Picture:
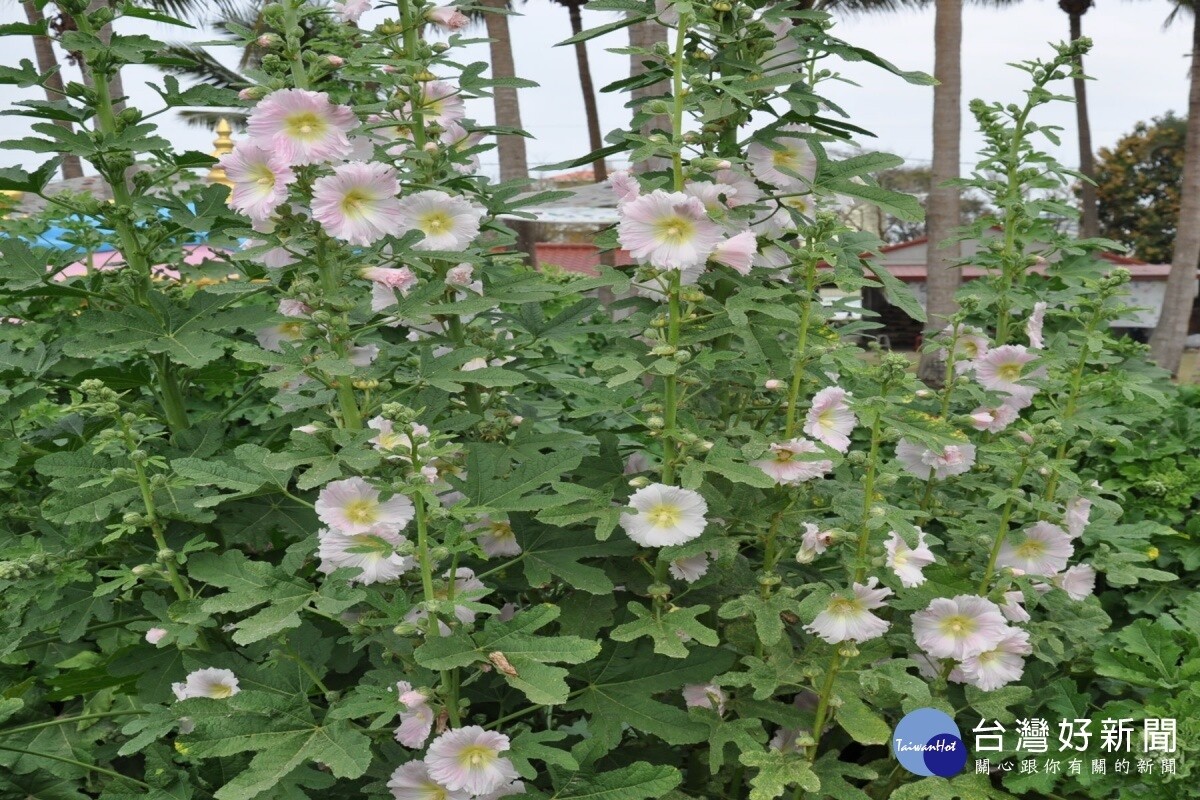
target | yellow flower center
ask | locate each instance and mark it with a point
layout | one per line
(1031, 548)
(476, 755)
(1009, 372)
(353, 201)
(362, 512)
(664, 515)
(842, 606)
(501, 530)
(787, 158)
(675, 229)
(958, 625)
(970, 349)
(291, 330)
(988, 657)
(304, 125)
(220, 691)
(436, 222)
(901, 557)
(263, 175)
(825, 418)
(784, 456)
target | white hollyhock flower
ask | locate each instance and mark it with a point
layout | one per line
(970, 345)
(496, 537)
(214, 683)
(1033, 325)
(1000, 665)
(691, 568)
(908, 563)
(416, 720)
(1013, 607)
(469, 759)
(1078, 582)
(352, 506)
(959, 627)
(155, 635)
(788, 164)
(666, 516)
(704, 695)
(411, 781)
(830, 419)
(448, 222)
(669, 230)
(1078, 511)
(466, 587)
(787, 469)
(919, 460)
(849, 618)
(1045, 550)
(373, 553)
(1001, 369)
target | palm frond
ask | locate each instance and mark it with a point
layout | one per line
(204, 68)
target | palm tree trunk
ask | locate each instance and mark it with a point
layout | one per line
(645, 35)
(47, 61)
(1166, 344)
(943, 274)
(510, 147)
(599, 169)
(1090, 217)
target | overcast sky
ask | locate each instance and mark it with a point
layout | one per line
(1140, 70)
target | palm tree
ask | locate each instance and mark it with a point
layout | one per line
(1167, 341)
(943, 274)
(47, 61)
(645, 35)
(1090, 219)
(599, 169)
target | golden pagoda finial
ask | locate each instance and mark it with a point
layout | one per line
(222, 145)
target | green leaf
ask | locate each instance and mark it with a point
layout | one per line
(667, 629)
(967, 786)
(548, 553)
(638, 781)
(528, 746)
(777, 771)
(494, 483)
(860, 720)
(766, 611)
(250, 584)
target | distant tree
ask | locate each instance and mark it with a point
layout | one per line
(917, 182)
(1138, 183)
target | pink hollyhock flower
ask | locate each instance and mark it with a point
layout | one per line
(217, 684)
(1033, 325)
(289, 307)
(737, 252)
(1044, 551)
(1000, 665)
(743, 191)
(787, 469)
(352, 506)
(691, 568)
(710, 194)
(971, 345)
(448, 18)
(788, 164)
(664, 516)
(392, 441)
(830, 419)
(496, 537)
(507, 790)
(906, 562)
(462, 275)
(919, 460)
(386, 281)
(449, 223)
(411, 781)
(373, 553)
(1000, 368)
(466, 587)
(1078, 582)
(357, 203)
(301, 127)
(850, 618)
(459, 140)
(272, 338)
(1013, 607)
(959, 627)
(350, 10)
(260, 180)
(155, 635)
(468, 759)
(624, 186)
(668, 229)
(996, 418)
(815, 540)
(704, 695)
(1078, 511)
(416, 720)
(439, 102)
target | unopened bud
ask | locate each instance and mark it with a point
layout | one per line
(639, 482)
(335, 61)
(773, 384)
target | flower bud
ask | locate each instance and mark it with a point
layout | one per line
(656, 423)
(639, 482)
(133, 518)
(267, 40)
(773, 384)
(166, 554)
(251, 94)
(335, 61)
(142, 570)
(516, 420)
(139, 456)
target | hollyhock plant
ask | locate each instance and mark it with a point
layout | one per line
(921, 461)
(691, 568)
(830, 419)
(448, 222)
(351, 10)
(468, 759)
(664, 516)
(439, 102)
(789, 464)
(1000, 665)
(357, 203)
(448, 18)
(372, 553)
(848, 617)
(907, 562)
(214, 683)
(788, 164)
(815, 540)
(301, 127)
(1043, 550)
(959, 627)
(1078, 581)
(704, 695)
(496, 538)
(667, 230)
(385, 282)
(352, 506)
(737, 252)
(1001, 369)
(1076, 516)
(970, 345)
(260, 180)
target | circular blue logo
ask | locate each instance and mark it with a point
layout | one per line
(927, 742)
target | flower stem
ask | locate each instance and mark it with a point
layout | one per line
(182, 590)
(67, 720)
(81, 764)
(1002, 530)
(810, 280)
(864, 537)
(351, 416)
(449, 677)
